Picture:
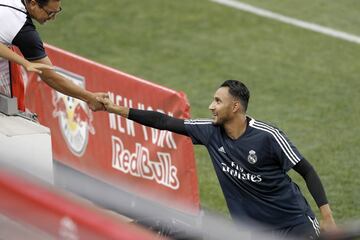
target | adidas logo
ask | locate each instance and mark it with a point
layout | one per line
(221, 149)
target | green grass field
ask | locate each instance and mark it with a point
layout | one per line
(304, 82)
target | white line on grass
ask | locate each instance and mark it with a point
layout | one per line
(299, 23)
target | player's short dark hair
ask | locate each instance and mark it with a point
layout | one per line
(239, 91)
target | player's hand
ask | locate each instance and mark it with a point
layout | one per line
(37, 67)
(328, 225)
(96, 105)
(329, 230)
(107, 103)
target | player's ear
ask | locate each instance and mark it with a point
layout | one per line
(236, 106)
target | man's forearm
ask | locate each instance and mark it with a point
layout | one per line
(5, 52)
(63, 85)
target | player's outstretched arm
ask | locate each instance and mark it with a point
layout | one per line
(6, 53)
(148, 118)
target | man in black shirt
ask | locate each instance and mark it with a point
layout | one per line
(17, 29)
(251, 160)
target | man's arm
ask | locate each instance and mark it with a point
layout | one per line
(306, 170)
(148, 118)
(67, 87)
(6, 53)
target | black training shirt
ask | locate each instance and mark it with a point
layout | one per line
(252, 171)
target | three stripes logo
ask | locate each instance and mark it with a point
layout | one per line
(280, 139)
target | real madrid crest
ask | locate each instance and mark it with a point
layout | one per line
(252, 158)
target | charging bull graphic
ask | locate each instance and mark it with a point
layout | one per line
(74, 117)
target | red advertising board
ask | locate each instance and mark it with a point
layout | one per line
(40, 209)
(157, 164)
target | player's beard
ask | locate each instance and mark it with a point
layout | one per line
(220, 119)
(222, 114)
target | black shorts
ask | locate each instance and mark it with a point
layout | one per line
(308, 229)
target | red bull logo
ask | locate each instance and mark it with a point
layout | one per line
(74, 117)
(139, 164)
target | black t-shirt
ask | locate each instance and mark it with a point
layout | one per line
(252, 171)
(18, 29)
(29, 41)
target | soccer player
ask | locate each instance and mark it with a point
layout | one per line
(17, 29)
(251, 159)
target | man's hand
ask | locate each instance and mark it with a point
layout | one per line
(113, 108)
(107, 103)
(36, 67)
(96, 105)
